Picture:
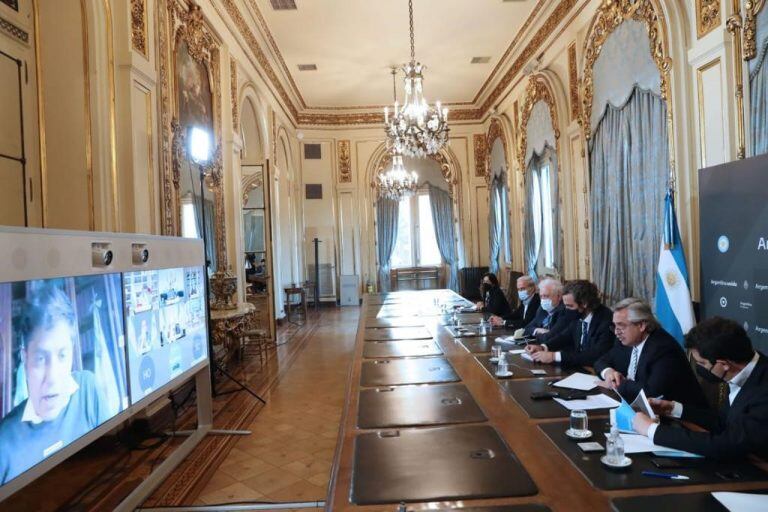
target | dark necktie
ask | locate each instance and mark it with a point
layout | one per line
(584, 332)
(547, 321)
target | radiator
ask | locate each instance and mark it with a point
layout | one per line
(327, 279)
(469, 282)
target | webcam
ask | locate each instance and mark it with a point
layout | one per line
(139, 254)
(101, 254)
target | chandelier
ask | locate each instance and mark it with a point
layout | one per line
(397, 182)
(416, 129)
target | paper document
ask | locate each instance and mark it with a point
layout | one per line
(742, 502)
(635, 443)
(641, 404)
(517, 351)
(526, 356)
(591, 402)
(580, 381)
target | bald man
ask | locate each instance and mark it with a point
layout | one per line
(526, 311)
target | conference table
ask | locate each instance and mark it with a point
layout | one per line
(428, 426)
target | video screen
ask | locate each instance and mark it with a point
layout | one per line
(62, 365)
(165, 326)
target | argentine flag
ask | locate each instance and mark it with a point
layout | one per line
(673, 297)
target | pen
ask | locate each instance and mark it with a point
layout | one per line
(671, 476)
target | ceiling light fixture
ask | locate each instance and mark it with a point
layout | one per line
(416, 129)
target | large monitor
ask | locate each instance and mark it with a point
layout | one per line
(165, 326)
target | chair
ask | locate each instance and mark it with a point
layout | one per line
(300, 292)
(255, 341)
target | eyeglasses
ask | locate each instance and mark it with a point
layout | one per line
(621, 327)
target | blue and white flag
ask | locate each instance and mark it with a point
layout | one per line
(674, 308)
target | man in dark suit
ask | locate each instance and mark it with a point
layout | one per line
(723, 353)
(646, 358)
(587, 339)
(553, 317)
(526, 311)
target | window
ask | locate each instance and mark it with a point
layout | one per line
(416, 244)
(502, 219)
(543, 223)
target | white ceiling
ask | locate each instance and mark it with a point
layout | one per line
(355, 42)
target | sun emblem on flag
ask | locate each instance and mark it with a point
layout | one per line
(671, 278)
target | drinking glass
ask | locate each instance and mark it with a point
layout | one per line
(496, 352)
(503, 368)
(579, 423)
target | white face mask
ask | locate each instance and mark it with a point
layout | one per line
(546, 305)
(523, 294)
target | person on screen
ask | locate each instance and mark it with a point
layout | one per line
(724, 354)
(62, 404)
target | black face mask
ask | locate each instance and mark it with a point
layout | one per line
(485, 288)
(708, 376)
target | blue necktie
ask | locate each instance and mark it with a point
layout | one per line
(584, 332)
(547, 321)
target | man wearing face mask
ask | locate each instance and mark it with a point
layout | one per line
(526, 311)
(723, 353)
(494, 301)
(587, 339)
(553, 317)
(647, 357)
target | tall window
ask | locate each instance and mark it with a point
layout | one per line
(502, 219)
(541, 209)
(416, 245)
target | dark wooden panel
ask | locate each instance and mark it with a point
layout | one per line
(545, 408)
(397, 333)
(401, 348)
(412, 321)
(696, 502)
(417, 405)
(447, 463)
(395, 372)
(521, 368)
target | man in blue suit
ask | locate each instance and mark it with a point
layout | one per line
(552, 318)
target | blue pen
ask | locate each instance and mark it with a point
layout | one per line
(670, 476)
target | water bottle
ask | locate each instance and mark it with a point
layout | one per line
(614, 448)
(503, 368)
(482, 327)
(455, 318)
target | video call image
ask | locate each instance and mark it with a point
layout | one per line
(63, 365)
(165, 326)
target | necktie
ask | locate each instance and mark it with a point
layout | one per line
(546, 322)
(633, 364)
(584, 332)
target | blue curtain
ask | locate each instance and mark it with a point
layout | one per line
(442, 217)
(531, 242)
(386, 230)
(629, 162)
(758, 89)
(494, 227)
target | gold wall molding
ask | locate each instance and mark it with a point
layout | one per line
(14, 31)
(573, 81)
(443, 160)
(139, 26)
(707, 16)
(700, 103)
(609, 16)
(233, 94)
(478, 142)
(538, 89)
(751, 9)
(495, 131)
(345, 161)
(734, 27)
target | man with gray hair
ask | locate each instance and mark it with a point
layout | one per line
(646, 357)
(553, 317)
(526, 310)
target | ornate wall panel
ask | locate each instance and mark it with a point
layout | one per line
(345, 161)
(233, 94)
(537, 90)
(707, 16)
(573, 81)
(478, 142)
(751, 9)
(139, 26)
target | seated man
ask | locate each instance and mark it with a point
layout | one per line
(494, 302)
(646, 358)
(587, 339)
(723, 353)
(552, 318)
(526, 311)
(63, 404)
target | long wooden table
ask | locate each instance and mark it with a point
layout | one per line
(561, 486)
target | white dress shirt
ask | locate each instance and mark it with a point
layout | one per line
(735, 385)
(639, 353)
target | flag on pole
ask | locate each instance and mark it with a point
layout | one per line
(674, 308)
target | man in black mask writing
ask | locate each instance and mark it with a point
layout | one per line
(723, 353)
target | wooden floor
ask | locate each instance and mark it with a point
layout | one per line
(289, 453)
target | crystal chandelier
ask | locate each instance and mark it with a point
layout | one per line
(416, 129)
(397, 182)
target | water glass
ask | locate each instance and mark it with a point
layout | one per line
(579, 424)
(482, 329)
(503, 368)
(496, 352)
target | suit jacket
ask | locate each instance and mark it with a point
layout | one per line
(495, 302)
(560, 321)
(736, 430)
(521, 317)
(599, 340)
(663, 369)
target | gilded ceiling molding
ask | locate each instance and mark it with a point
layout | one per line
(139, 26)
(707, 16)
(481, 150)
(345, 161)
(610, 15)
(14, 31)
(233, 94)
(495, 131)
(573, 81)
(751, 8)
(538, 89)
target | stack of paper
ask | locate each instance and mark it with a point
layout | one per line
(742, 502)
(590, 403)
(635, 443)
(626, 412)
(527, 356)
(580, 381)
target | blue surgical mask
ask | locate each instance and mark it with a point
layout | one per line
(546, 305)
(523, 294)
